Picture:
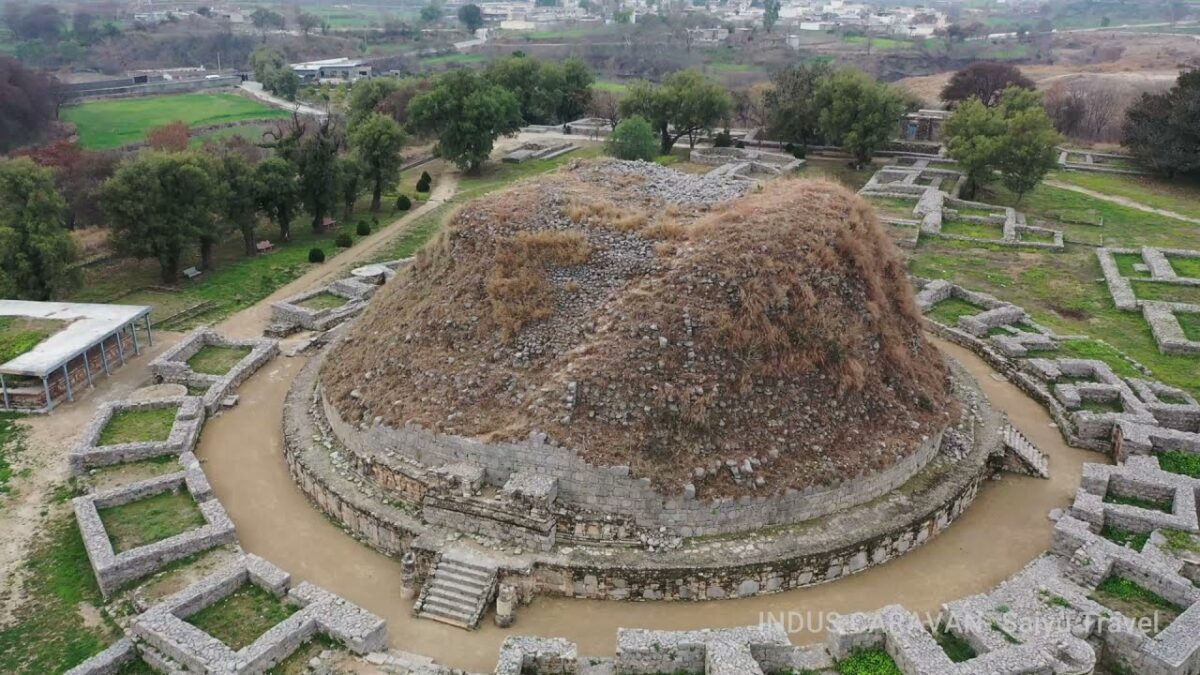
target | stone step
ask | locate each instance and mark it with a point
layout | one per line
(457, 592)
(467, 565)
(1026, 452)
(459, 609)
(435, 615)
(452, 588)
(462, 579)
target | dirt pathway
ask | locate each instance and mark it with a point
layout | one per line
(251, 321)
(43, 465)
(1123, 201)
(1005, 529)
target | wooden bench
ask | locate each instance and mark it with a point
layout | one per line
(264, 246)
(191, 273)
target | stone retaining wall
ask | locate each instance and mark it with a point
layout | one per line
(612, 489)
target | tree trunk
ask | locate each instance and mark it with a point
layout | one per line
(285, 229)
(377, 194)
(248, 239)
(348, 210)
(206, 254)
(666, 140)
(169, 269)
(318, 218)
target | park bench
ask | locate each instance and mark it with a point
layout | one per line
(264, 246)
(191, 273)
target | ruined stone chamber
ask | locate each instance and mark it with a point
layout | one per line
(627, 382)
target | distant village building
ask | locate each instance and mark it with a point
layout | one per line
(332, 69)
(708, 36)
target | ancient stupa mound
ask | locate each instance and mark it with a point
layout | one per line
(649, 318)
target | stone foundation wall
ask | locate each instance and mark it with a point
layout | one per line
(612, 489)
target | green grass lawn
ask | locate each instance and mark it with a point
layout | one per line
(135, 426)
(893, 207)
(323, 301)
(969, 228)
(1136, 602)
(610, 85)
(111, 124)
(1179, 195)
(1185, 267)
(19, 335)
(1134, 540)
(12, 443)
(240, 618)
(48, 633)
(251, 132)
(1186, 463)
(217, 360)
(949, 311)
(151, 519)
(1137, 502)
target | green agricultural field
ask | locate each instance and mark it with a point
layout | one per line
(610, 85)
(111, 124)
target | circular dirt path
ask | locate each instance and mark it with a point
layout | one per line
(1004, 529)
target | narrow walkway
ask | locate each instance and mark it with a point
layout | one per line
(1123, 201)
(1005, 529)
(255, 90)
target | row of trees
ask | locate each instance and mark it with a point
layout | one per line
(1163, 130)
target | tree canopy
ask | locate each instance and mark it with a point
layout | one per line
(686, 104)
(28, 102)
(467, 113)
(157, 204)
(547, 92)
(471, 17)
(984, 80)
(1015, 138)
(857, 112)
(36, 251)
(790, 103)
(377, 142)
(632, 139)
(1163, 130)
(278, 192)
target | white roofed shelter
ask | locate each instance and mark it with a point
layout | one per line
(94, 340)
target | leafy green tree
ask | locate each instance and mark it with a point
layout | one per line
(857, 112)
(350, 183)
(575, 90)
(367, 97)
(467, 113)
(632, 139)
(984, 80)
(308, 22)
(790, 104)
(686, 104)
(316, 164)
(431, 13)
(36, 251)
(378, 141)
(239, 196)
(278, 193)
(283, 82)
(157, 204)
(1016, 138)
(972, 136)
(771, 13)
(471, 17)
(546, 91)
(1163, 130)
(264, 19)
(265, 60)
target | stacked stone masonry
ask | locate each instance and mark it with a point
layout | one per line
(1162, 316)
(88, 453)
(172, 365)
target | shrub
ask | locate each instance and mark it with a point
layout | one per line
(403, 203)
(363, 229)
(723, 139)
(316, 255)
(632, 139)
(343, 240)
(424, 182)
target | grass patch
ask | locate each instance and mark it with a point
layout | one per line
(12, 443)
(137, 426)
(893, 207)
(49, 633)
(1175, 461)
(1037, 237)
(1180, 541)
(240, 618)
(948, 311)
(323, 301)
(1181, 195)
(611, 86)
(838, 171)
(1135, 540)
(868, 662)
(1149, 504)
(19, 335)
(956, 648)
(1099, 351)
(151, 519)
(968, 228)
(1136, 602)
(1125, 263)
(1153, 290)
(1185, 267)
(217, 360)
(111, 124)
(1097, 406)
(297, 663)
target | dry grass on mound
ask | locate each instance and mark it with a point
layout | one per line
(779, 328)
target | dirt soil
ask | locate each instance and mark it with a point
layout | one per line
(776, 332)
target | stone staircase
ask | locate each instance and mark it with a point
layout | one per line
(1023, 456)
(458, 591)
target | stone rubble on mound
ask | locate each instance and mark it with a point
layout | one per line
(661, 182)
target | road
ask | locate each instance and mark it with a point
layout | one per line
(255, 89)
